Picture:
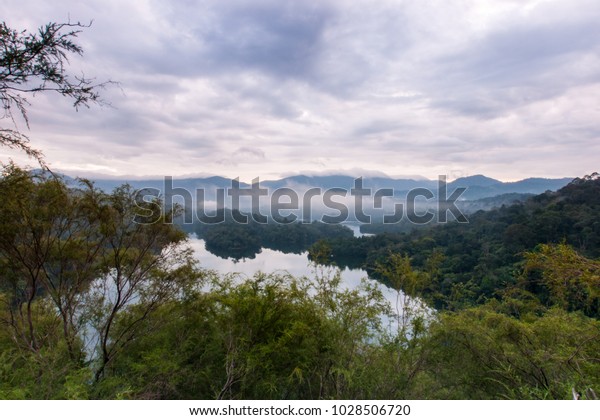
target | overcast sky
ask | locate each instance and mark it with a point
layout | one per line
(510, 89)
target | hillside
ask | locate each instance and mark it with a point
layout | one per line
(485, 256)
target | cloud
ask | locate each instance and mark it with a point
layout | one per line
(250, 152)
(279, 38)
(267, 87)
(530, 58)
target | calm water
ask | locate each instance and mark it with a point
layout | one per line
(269, 261)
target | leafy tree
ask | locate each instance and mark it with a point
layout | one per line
(49, 242)
(558, 275)
(269, 336)
(50, 372)
(408, 284)
(144, 262)
(72, 261)
(483, 352)
(37, 62)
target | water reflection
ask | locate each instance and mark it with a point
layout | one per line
(270, 261)
(267, 261)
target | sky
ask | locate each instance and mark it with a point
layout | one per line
(271, 88)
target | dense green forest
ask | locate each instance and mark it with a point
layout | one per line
(467, 207)
(101, 298)
(231, 239)
(473, 262)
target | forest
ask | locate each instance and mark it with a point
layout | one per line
(481, 259)
(98, 304)
(232, 239)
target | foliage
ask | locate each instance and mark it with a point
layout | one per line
(100, 298)
(73, 260)
(408, 284)
(560, 276)
(36, 62)
(48, 373)
(484, 257)
(268, 337)
(482, 353)
(232, 239)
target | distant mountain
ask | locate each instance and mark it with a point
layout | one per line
(497, 201)
(475, 181)
(348, 182)
(303, 181)
(535, 185)
(209, 184)
(480, 186)
(477, 186)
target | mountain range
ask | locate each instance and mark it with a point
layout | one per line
(477, 186)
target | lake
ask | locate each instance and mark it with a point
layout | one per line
(269, 261)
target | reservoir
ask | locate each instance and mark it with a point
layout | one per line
(270, 261)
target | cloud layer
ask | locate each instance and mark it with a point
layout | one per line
(271, 87)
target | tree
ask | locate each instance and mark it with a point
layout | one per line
(49, 241)
(483, 352)
(145, 262)
(408, 284)
(72, 263)
(271, 336)
(560, 276)
(36, 62)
